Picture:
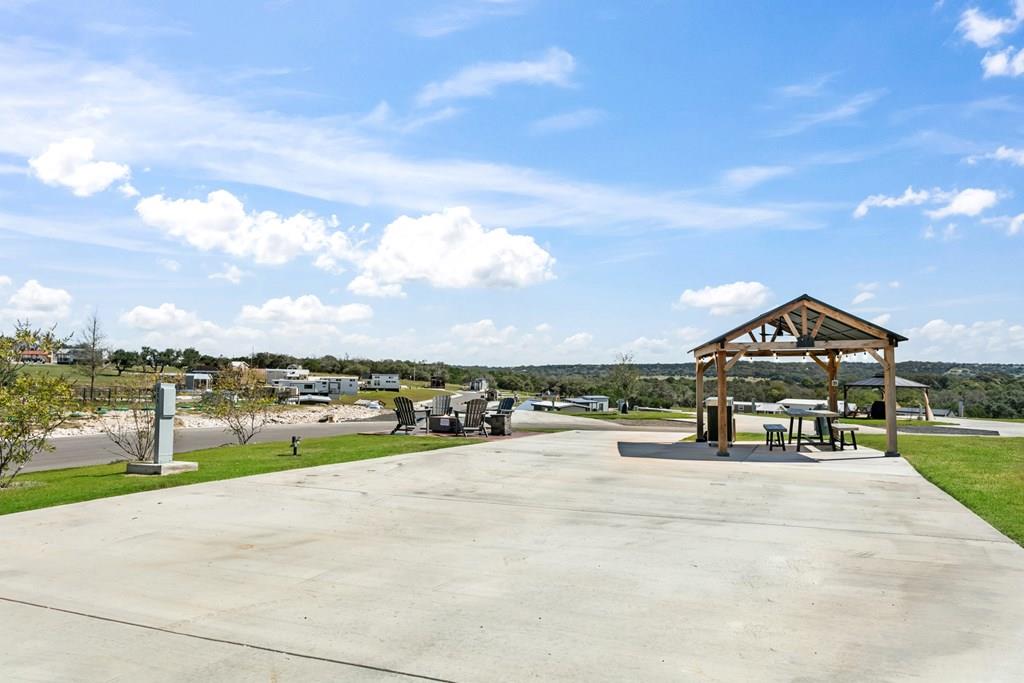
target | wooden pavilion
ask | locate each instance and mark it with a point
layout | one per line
(805, 327)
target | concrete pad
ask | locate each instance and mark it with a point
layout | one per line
(553, 557)
(161, 469)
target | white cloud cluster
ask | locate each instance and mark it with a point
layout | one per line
(71, 163)
(985, 31)
(981, 341)
(1006, 62)
(450, 250)
(481, 80)
(571, 120)
(168, 317)
(845, 110)
(576, 343)
(36, 302)
(484, 333)
(1002, 153)
(970, 202)
(909, 196)
(231, 273)
(726, 299)
(305, 309)
(221, 222)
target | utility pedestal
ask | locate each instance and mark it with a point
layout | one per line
(163, 438)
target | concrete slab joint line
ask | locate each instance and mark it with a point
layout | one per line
(224, 641)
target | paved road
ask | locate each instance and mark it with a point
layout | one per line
(586, 556)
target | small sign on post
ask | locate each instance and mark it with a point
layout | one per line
(163, 437)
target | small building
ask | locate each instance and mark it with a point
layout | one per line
(384, 381)
(592, 404)
(437, 382)
(479, 384)
(69, 356)
(198, 381)
(238, 365)
(35, 356)
(319, 386)
(272, 374)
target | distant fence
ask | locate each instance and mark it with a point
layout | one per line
(115, 394)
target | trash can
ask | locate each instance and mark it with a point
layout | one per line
(499, 425)
(711, 406)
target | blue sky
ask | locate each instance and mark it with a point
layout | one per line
(509, 181)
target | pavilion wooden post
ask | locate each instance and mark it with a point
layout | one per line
(699, 397)
(889, 368)
(833, 371)
(723, 414)
(928, 414)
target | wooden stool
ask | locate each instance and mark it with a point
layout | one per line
(774, 435)
(843, 429)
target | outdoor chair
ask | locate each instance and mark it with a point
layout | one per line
(441, 405)
(505, 406)
(406, 414)
(773, 436)
(843, 430)
(472, 418)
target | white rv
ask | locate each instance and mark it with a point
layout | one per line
(320, 386)
(384, 382)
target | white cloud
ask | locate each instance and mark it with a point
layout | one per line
(168, 325)
(845, 110)
(127, 190)
(222, 223)
(483, 333)
(747, 176)
(982, 341)
(5, 282)
(882, 319)
(231, 273)
(810, 88)
(543, 328)
(862, 297)
(573, 120)
(336, 159)
(1002, 153)
(305, 309)
(969, 202)
(458, 15)
(645, 347)
(986, 31)
(909, 196)
(726, 299)
(576, 342)
(170, 265)
(1003, 63)
(947, 234)
(70, 163)
(481, 80)
(35, 301)
(1016, 225)
(450, 250)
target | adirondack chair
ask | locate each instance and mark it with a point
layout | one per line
(406, 414)
(505, 406)
(441, 405)
(472, 418)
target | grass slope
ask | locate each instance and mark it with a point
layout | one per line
(58, 487)
(415, 394)
(985, 474)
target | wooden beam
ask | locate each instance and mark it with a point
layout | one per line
(881, 361)
(844, 345)
(699, 395)
(891, 448)
(817, 324)
(833, 372)
(732, 361)
(846, 319)
(820, 362)
(764, 332)
(790, 325)
(775, 334)
(723, 413)
(803, 320)
(753, 337)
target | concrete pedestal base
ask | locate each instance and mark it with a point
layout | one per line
(162, 468)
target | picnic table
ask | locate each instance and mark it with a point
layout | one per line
(823, 418)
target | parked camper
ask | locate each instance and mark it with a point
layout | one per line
(479, 384)
(320, 386)
(384, 382)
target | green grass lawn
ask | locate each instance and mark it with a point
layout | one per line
(985, 474)
(57, 487)
(415, 394)
(105, 377)
(636, 415)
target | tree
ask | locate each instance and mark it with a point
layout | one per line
(31, 406)
(158, 360)
(124, 360)
(242, 402)
(190, 358)
(132, 431)
(624, 376)
(91, 338)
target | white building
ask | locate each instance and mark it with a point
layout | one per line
(273, 374)
(479, 384)
(592, 403)
(320, 386)
(384, 381)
